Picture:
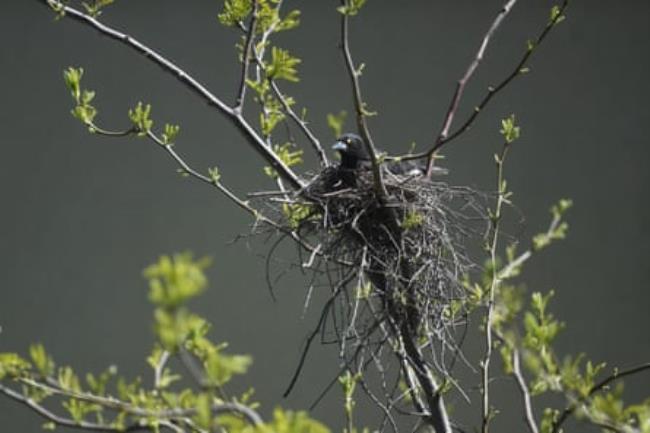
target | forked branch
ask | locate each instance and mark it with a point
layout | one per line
(460, 86)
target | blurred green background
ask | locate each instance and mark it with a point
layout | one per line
(82, 215)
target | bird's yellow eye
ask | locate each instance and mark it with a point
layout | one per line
(348, 141)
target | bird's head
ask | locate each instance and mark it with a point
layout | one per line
(352, 150)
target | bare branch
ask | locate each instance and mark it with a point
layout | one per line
(519, 69)
(190, 82)
(460, 86)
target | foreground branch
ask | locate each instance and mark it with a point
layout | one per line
(66, 422)
(617, 375)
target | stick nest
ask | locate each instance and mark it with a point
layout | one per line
(393, 263)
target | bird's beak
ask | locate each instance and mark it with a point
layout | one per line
(340, 146)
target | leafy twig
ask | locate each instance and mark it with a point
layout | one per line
(493, 241)
(66, 422)
(616, 375)
(239, 121)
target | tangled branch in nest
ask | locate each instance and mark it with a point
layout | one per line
(395, 268)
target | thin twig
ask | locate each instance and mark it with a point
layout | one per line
(493, 242)
(525, 392)
(359, 105)
(66, 422)
(301, 123)
(512, 268)
(517, 71)
(195, 86)
(192, 368)
(246, 59)
(160, 368)
(460, 86)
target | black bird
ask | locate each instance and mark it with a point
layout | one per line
(355, 156)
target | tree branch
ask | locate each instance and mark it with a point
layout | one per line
(359, 105)
(190, 82)
(519, 69)
(460, 86)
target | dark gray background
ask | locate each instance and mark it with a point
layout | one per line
(82, 215)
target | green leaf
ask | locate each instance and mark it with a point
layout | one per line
(413, 219)
(203, 415)
(94, 9)
(220, 368)
(72, 77)
(140, 118)
(351, 7)
(293, 422)
(42, 361)
(176, 279)
(83, 110)
(235, 11)
(49, 426)
(214, 174)
(282, 65)
(12, 365)
(98, 384)
(296, 213)
(288, 154)
(170, 133)
(509, 130)
(68, 380)
(336, 122)
(290, 21)
(556, 16)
